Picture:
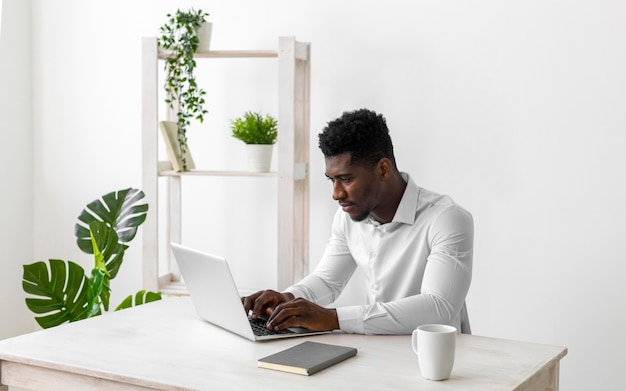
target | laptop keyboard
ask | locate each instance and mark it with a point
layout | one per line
(259, 329)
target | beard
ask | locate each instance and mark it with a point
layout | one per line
(360, 217)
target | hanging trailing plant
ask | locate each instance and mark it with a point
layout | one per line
(179, 36)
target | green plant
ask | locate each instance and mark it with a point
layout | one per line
(253, 128)
(180, 37)
(64, 293)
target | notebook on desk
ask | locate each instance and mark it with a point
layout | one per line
(216, 299)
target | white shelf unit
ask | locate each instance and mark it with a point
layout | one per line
(293, 159)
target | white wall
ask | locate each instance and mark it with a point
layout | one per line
(16, 160)
(513, 108)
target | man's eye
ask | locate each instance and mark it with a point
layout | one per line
(342, 179)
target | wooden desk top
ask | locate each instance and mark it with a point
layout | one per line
(166, 346)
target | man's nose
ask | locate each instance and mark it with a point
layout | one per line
(338, 192)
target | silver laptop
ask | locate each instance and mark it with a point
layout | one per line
(216, 299)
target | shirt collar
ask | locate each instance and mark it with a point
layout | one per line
(406, 209)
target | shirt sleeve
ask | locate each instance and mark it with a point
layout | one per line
(445, 284)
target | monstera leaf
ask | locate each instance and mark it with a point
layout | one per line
(118, 210)
(62, 291)
(141, 297)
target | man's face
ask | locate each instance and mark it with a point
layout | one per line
(355, 186)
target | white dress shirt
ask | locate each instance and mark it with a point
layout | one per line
(418, 267)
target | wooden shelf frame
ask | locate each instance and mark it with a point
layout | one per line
(293, 160)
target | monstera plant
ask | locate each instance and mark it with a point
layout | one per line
(61, 289)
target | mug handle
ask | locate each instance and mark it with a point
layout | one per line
(414, 341)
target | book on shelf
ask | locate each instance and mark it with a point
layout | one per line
(307, 358)
(169, 130)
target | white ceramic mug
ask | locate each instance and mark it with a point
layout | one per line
(434, 345)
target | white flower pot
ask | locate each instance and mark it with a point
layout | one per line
(259, 157)
(204, 37)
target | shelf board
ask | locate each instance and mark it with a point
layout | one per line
(174, 288)
(217, 173)
(163, 54)
(178, 288)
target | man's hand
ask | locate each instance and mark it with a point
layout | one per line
(284, 311)
(264, 302)
(302, 313)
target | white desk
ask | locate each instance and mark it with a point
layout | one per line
(165, 346)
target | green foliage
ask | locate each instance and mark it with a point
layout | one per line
(141, 297)
(63, 293)
(253, 128)
(180, 37)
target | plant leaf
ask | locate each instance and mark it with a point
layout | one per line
(118, 210)
(104, 241)
(60, 293)
(141, 297)
(94, 290)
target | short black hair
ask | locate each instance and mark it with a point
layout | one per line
(363, 133)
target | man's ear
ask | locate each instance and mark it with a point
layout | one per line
(384, 168)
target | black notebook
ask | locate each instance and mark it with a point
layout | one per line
(307, 358)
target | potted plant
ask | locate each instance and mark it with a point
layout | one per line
(179, 36)
(259, 133)
(61, 289)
